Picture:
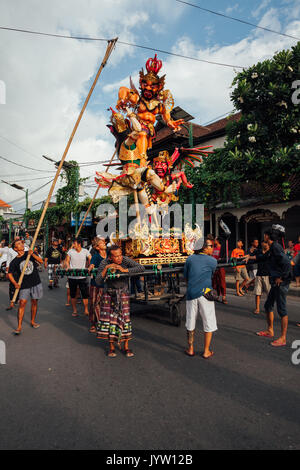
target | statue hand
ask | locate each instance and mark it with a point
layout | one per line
(176, 124)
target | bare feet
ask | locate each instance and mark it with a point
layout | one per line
(112, 353)
(208, 355)
(256, 312)
(128, 353)
(17, 331)
(74, 314)
(35, 325)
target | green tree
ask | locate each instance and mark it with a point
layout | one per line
(263, 146)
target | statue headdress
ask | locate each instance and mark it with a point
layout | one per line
(153, 66)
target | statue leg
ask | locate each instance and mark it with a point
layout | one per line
(142, 145)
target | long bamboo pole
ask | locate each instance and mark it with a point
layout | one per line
(94, 197)
(110, 47)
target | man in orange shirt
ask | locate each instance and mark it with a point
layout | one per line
(241, 273)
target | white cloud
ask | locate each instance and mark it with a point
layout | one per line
(47, 79)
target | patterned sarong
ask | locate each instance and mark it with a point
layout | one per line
(52, 276)
(115, 324)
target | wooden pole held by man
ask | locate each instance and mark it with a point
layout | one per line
(110, 47)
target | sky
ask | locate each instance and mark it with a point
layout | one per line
(47, 79)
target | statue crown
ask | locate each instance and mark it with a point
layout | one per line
(154, 65)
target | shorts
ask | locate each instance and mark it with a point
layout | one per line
(262, 284)
(252, 274)
(241, 274)
(36, 293)
(206, 308)
(83, 286)
(297, 270)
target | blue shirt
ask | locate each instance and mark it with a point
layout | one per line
(198, 271)
(96, 260)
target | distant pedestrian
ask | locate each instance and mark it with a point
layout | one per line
(219, 278)
(198, 272)
(52, 261)
(28, 240)
(297, 247)
(252, 270)
(296, 263)
(96, 291)
(31, 286)
(241, 274)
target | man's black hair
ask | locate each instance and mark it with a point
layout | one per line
(78, 240)
(113, 248)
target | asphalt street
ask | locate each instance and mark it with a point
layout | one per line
(59, 390)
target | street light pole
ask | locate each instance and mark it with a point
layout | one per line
(17, 186)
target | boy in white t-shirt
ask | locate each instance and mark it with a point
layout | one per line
(78, 258)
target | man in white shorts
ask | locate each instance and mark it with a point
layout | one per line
(198, 272)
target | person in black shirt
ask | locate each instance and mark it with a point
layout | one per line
(31, 285)
(279, 269)
(52, 261)
(262, 281)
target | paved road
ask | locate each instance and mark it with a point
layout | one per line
(58, 389)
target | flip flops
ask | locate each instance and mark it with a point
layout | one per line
(188, 354)
(264, 334)
(275, 344)
(208, 357)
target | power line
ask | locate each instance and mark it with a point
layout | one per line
(20, 148)
(23, 166)
(30, 194)
(236, 19)
(31, 179)
(216, 118)
(81, 38)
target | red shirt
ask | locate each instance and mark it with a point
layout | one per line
(217, 252)
(296, 249)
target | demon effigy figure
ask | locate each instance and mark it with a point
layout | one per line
(134, 133)
(148, 104)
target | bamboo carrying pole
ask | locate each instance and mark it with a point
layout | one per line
(110, 47)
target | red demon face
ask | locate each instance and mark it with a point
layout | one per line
(161, 169)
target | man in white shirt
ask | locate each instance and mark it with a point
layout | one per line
(78, 258)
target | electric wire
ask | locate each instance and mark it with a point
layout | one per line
(82, 38)
(236, 19)
(23, 166)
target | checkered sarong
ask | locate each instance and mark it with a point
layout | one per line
(115, 324)
(52, 273)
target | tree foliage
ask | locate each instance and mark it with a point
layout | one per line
(263, 145)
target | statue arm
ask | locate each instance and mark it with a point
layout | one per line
(127, 97)
(175, 125)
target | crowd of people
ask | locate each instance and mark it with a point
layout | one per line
(266, 266)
